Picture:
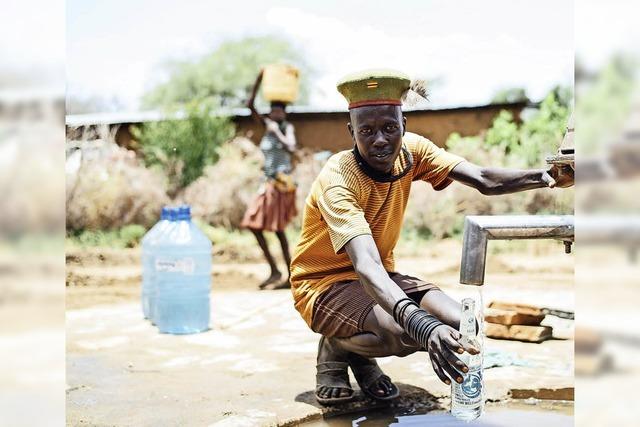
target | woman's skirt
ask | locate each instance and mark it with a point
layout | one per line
(271, 210)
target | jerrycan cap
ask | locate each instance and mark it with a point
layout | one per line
(164, 214)
(184, 213)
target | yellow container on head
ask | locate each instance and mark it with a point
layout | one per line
(280, 82)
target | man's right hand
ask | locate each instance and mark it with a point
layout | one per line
(442, 345)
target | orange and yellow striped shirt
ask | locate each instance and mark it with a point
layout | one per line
(344, 203)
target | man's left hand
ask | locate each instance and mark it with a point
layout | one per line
(443, 344)
(560, 176)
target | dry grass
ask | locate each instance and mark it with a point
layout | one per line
(220, 197)
(111, 189)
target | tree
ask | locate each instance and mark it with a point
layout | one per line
(225, 76)
(182, 148)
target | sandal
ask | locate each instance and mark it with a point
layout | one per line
(332, 375)
(368, 374)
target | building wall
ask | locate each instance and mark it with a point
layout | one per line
(328, 130)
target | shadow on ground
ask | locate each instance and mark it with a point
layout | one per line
(411, 398)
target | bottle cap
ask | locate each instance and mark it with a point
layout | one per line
(164, 214)
(173, 214)
(184, 212)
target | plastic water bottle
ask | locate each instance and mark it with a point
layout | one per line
(467, 398)
(148, 242)
(182, 268)
(162, 238)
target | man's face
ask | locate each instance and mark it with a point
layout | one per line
(377, 131)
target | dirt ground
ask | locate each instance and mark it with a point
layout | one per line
(106, 276)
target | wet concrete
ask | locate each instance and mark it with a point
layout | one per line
(492, 417)
(256, 366)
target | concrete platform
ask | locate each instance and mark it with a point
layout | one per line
(255, 367)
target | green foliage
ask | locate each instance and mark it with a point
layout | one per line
(128, 236)
(542, 133)
(526, 144)
(503, 133)
(225, 76)
(183, 148)
(506, 144)
(131, 234)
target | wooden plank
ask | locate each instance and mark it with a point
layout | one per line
(508, 317)
(520, 308)
(534, 334)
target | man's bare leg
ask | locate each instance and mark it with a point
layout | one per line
(332, 383)
(384, 337)
(383, 340)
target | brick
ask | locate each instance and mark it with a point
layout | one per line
(564, 393)
(587, 340)
(518, 332)
(520, 308)
(507, 317)
(592, 364)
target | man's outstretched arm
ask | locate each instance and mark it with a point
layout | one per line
(364, 255)
(363, 252)
(494, 181)
(442, 342)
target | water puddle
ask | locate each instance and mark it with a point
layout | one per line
(501, 416)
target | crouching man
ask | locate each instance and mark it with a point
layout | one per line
(343, 278)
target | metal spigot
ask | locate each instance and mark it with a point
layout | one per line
(478, 230)
(567, 246)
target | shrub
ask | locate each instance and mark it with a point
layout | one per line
(220, 196)
(111, 189)
(132, 234)
(183, 148)
(505, 144)
(128, 236)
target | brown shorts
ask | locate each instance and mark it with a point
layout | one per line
(341, 310)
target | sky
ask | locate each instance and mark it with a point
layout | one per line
(32, 45)
(466, 50)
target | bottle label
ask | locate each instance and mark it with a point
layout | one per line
(185, 265)
(469, 393)
(468, 326)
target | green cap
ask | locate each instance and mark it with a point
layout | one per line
(374, 87)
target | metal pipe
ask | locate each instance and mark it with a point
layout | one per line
(478, 230)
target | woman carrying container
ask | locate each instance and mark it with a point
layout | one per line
(274, 206)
